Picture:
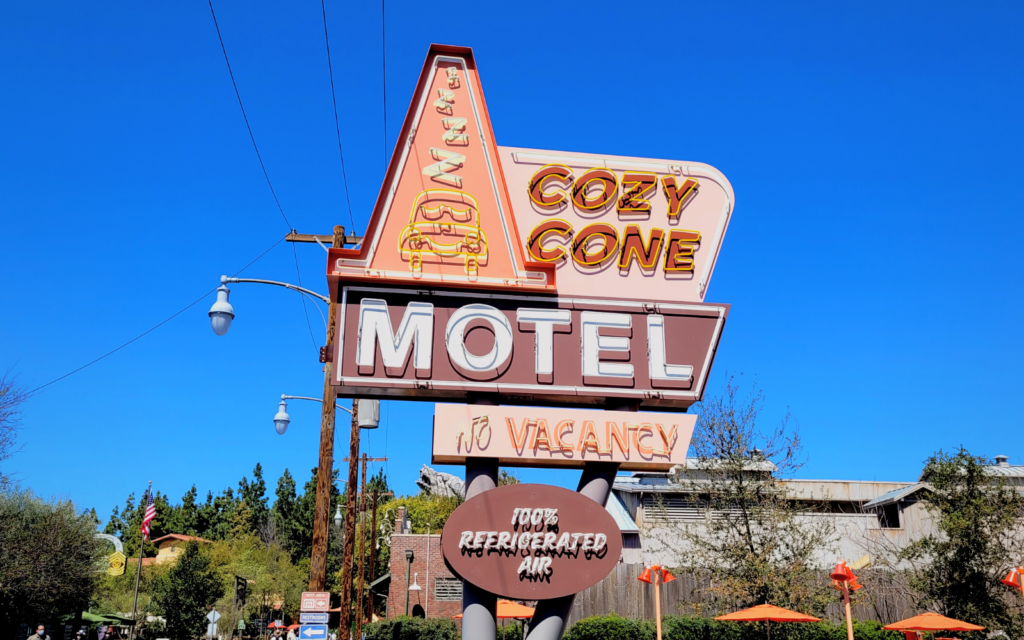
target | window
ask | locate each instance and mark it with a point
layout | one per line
(447, 589)
(889, 516)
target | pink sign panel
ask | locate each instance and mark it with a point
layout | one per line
(619, 227)
(549, 437)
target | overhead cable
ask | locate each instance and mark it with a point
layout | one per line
(156, 326)
(242, 107)
(337, 126)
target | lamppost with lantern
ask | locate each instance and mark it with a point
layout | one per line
(221, 315)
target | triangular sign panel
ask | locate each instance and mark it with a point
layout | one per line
(443, 216)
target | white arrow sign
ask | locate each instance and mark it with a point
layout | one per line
(314, 631)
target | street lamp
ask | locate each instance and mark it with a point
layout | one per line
(337, 516)
(222, 313)
(369, 413)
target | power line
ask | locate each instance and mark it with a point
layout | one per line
(259, 157)
(384, 83)
(304, 309)
(157, 326)
(337, 126)
(247, 126)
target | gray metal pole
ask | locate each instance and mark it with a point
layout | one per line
(550, 616)
(479, 607)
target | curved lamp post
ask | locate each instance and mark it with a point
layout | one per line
(368, 414)
(222, 313)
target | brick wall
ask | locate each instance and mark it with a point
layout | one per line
(421, 545)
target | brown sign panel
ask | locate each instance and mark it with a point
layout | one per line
(531, 542)
(527, 349)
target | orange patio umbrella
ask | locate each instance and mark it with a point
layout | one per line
(768, 613)
(508, 609)
(932, 622)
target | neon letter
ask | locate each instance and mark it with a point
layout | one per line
(375, 328)
(677, 196)
(633, 246)
(593, 343)
(544, 321)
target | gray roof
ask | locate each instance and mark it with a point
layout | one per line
(621, 515)
(1009, 471)
(895, 495)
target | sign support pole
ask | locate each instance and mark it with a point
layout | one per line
(479, 607)
(550, 616)
(321, 518)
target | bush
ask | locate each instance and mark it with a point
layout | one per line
(407, 628)
(612, 627)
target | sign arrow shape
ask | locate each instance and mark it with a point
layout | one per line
(315, 631)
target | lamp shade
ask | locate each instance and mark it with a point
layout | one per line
(666, 576)
(1012, 579)
(281, 418)
(221, 313)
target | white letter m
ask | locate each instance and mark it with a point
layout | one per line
(375, 327)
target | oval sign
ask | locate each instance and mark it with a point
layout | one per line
(531, 542)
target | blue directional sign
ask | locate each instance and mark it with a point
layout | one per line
(313, 632)
(307, 617)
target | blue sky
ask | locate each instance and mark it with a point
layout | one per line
(873, 260)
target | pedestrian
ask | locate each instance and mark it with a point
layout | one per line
(40, 633)
(291, 634)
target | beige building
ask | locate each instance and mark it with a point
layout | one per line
(169, 547)
(869, 516)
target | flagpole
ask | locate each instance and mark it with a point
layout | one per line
(138, 573)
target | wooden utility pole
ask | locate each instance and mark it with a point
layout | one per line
(373, 550)
(325, 470)
(362, 537)
(350, 526)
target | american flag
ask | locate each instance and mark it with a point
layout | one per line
(148, 517)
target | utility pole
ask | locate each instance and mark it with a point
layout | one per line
(321, 518)
(373, 550)
(350, 525)
(362, 537)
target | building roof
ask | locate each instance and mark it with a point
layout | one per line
(1008, 471)
(145, 561)
(621, 515)
(177, 536)
(895, 495)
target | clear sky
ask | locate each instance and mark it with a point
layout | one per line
(873, 262)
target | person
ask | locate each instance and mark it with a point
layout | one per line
(277, 633)
(40, 633)
(291, 634)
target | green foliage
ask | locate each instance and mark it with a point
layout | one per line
(185, 593)
(270, 574)
(425, 511)
(406, 628)
(977, 515)
(754, 544)
(612, 627)
(48, 557)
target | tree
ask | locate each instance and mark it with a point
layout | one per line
(283, 511)
(254, 494)
(11, 397)
(754, 544)
(188, 589)
(977, 516)
(48, 557)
